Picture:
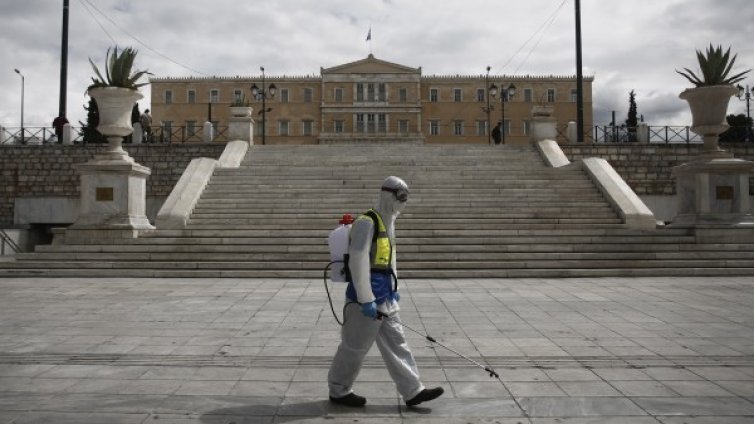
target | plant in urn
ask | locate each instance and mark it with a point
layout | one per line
(709, 99)
(115, 94)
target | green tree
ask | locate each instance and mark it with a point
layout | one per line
(739, 131)
(632, 121)
(89, 130)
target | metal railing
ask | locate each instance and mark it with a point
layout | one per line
(164, 135)
(5, 239)
(610, 134)
(185, 134)
(34, 135)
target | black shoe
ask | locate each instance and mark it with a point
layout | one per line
(351, 399)
(425, 396)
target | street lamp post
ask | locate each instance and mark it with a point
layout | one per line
(744, 94)
(23, 84)
(506, 93)
(263, 94)
(491, 92)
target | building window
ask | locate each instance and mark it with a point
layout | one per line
(237, 95)
(284, 95)
(283, 127)
(457, 95)
(214, 96)
(574, 95)
(371, 92)
(306, 127)
(190, 128)
(382, 123)
(382, 90)
(481, 127)
(403, 95)
(339, 95)
(191, 97)
(359, 122)
(434, 127)
(550, 95)
(528, 95)
(527, 127)
(371, 123)
(457, 127)
(167, 130)
(507, 127)
(308, 95)
(403, 126)
(480, 94)
(360, 92)
(168, 96)
(433, 95)
(338, 126)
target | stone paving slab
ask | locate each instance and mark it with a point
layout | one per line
(568, 351)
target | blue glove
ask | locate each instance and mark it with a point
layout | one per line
(369, 310)
(396, 296)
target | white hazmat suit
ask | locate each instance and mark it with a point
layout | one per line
(361, 329)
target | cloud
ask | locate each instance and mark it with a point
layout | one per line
(627, 45)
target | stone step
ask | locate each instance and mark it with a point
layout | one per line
(406, 276)
(406, 257)
(275, 221)
(405, 267)
(534, 216)
(683, 250)
(283, 233)
(404, 241)
(242, 224)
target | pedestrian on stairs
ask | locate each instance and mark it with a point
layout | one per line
(370, 289)
(497, 133)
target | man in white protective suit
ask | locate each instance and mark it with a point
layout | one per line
(370, 289)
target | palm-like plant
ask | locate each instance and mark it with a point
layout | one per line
(716, 67)
(118, 70)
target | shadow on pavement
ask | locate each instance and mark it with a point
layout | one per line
(292, 412)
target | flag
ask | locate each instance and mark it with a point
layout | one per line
(369, 34)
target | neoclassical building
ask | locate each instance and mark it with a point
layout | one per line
(370, 99)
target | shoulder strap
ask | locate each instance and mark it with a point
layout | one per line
(375, 221)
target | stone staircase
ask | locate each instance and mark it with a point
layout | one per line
(474, 212)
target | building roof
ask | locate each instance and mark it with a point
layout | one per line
(371, 65)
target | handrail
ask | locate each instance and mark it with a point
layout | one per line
(5, 238)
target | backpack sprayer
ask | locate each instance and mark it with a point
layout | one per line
(338, 243)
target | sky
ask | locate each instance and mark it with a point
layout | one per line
(627, 45)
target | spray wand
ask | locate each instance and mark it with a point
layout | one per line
(493, 373)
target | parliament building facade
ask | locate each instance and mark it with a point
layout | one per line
(370, 99)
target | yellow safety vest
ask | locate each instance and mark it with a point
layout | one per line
(382, 251)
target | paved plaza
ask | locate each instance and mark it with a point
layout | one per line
(573, 351)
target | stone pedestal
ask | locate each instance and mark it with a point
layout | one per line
(208, 132)
(642, 133)
(543, 124)
(572, 132)
(67, 135)
(138, 135)
(113, 199)
(241, 128)
(713, 192)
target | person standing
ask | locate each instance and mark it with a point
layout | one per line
(146, 125)
(497, 133)
(58, 124)
(372, 266)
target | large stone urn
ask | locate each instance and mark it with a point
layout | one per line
(709, 107)
(115, 105)
(713, 189)
(113, 185)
